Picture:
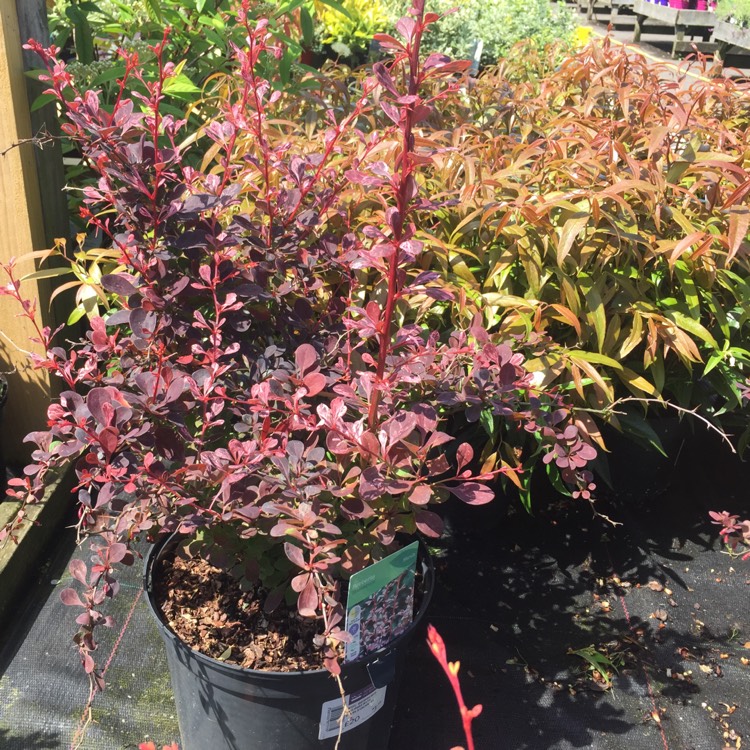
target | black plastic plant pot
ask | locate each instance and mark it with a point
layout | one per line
(225, 707)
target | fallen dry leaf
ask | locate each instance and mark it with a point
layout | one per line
(655, 586)
(661, 614)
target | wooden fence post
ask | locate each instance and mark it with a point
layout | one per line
(22, 229)
(32, 23)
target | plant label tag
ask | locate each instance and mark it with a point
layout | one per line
(380, 602)
(362, 705)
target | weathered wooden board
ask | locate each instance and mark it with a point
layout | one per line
(21, 230)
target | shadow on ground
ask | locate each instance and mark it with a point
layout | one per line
(33, 741)
(656, 596)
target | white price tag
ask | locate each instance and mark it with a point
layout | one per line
(362, 705)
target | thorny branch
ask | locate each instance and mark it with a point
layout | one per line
(40, 140)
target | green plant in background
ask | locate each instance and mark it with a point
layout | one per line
(738, 10)
(88, 265)
(93, 36)
(94, 30)
(499, 24)
(349, 30)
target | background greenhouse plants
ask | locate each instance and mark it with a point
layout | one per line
(737, 10)
(499, 24)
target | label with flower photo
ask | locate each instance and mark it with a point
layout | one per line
(380, 603)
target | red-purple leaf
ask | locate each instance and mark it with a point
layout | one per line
(464, 454)
(315, 382)
(78, 570)
(294, 554)
(331, 663)
(387, 42)
(305, 358)
(393, 112)
(99, 402)
(428, 523)
(384, 78)
(355, 507)
(473, 493)
(84, 619)
(70, 598)
(406, 27)
(307, 604)
(421, 495)
(88, 663)
(108, 438)
(400, 426)
(121, 284)
(273, 599)
(117, 552)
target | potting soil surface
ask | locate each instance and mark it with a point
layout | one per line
(571, 632)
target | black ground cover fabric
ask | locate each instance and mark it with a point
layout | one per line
(516, 596)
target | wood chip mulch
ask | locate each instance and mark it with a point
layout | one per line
(208, 610)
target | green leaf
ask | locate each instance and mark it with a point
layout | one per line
(288, 8)
(553, 473)
(181, 87)
(739, 353)
(76, 314)
(721, 318)
(713, 360)
(597, 661)
(112, 74)
(42, 100)
(338, 8)
(689, 289)
(47, 273)
(596, 358)
(153, 9)
(595, 314)
(84, 41)
(638, 428)
(637, 383)
(214, 21)
(525, 492)
(686, 323)
(125, 12)
(493, 299)
(113, 29)
(308, 30)
(215, 38)
(487, 421)
(676, 171)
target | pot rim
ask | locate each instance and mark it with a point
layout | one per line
(153, 555)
